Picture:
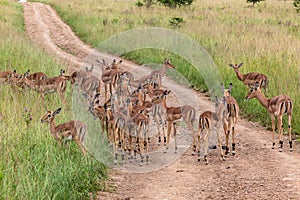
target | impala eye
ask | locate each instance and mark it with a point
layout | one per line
(49, 115)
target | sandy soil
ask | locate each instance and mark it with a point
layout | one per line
(256, 172)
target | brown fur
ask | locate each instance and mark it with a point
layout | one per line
(277, 107)
(75, 130)
(251, 78)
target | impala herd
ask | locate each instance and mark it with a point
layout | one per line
(129, 105)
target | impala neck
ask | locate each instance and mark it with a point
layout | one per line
(162, 70)
(263, 100)
(150, 90)
(164, 103)
(52, 127)
(239, 75)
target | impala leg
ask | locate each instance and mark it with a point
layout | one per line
(130, 147)
(205, 142)
(280, 130)
(273, 130)
(199, 142)
(220, 145)
(63, 99)
(141, 147)
(80, 145)
(174, 130)
(158, 128)
(168, 135)
(226, 141)
(110, 89)
(290, 131)
(115, 132)
(194, 136)
(233, 142)
(105, 92)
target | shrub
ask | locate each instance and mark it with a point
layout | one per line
(176, 21)
(297, 5)
(175, 3)
(254, 1)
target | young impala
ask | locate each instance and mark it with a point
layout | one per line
(231, 117)
(277, 107)
(73, 130)
(211, 122)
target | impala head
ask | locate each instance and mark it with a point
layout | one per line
(14, 74)
(160, 98)
(26, 73)
(226, 92)
(167, 63)
(50, 115)
(114, 64)
(62, 72)
(253, 91)
(89, 70)
(236, 67)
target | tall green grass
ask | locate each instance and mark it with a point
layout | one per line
(264, 38)
(32, 164)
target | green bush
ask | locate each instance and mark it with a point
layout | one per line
(175, 3)
(176, 21)
(297, 5)
(254, 1)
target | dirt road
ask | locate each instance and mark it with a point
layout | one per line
(256, 172)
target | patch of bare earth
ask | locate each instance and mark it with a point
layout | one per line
(256, 172)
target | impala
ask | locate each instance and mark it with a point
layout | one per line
(110, 77)
(73, 130)
(211, 122)
(251, 78)
(173, 115)
(155, 77)
(230, 118)
(47, 85)
(37, 77)
(141, 128)
(4, 75)
(277, 107)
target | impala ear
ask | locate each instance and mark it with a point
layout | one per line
(216, 98)
(166, 92)
(230, 86)
(231, 65)
(256, 85)
(224, 100)
(241, 64)
(222, 87)
(56, 112)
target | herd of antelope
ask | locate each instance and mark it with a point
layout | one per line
(129, 105)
